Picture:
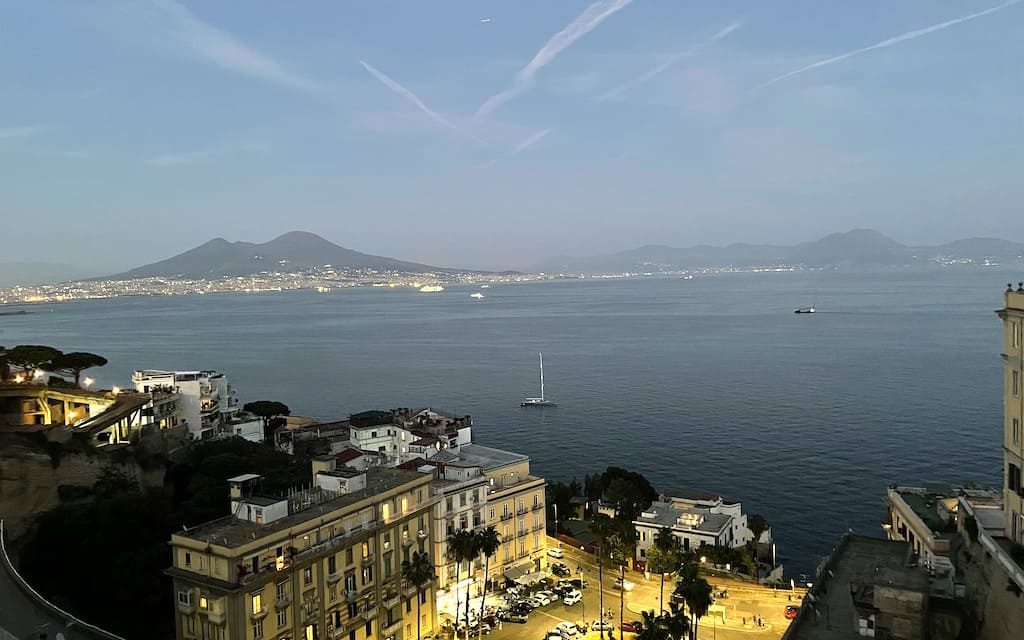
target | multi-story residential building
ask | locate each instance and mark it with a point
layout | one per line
(1012, 315)
(514, 505)
(319, 564)
(926, 517)
(205, 402)
(716, 504)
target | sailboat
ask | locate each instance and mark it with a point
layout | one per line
(541, 401)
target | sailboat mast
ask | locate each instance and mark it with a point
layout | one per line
(541, 376)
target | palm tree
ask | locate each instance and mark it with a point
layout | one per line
(663, 558)
(651, 627)
(488, 542)
(675, 622)
(617, 549)
(699, 601)
(459, 545)
(419, 572)
(602, 527)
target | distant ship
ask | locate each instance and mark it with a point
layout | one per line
(478, 296)
(485, 286)
(541, 401)
(431, 288)
(804, 310)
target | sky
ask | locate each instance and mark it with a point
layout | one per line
(497, 134)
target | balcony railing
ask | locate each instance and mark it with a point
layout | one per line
(283, 600)
(342, 538)
(538, 506)
(506, 516)
(520, 511)
(538, 526)
(522, 533)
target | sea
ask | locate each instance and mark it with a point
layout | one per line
(710, 383)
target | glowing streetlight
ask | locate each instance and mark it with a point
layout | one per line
(38, 373)
(88, 382)
(115, 390)
(19, 378)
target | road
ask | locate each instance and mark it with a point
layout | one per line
(745, 601)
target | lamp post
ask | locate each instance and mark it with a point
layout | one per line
(555, 505)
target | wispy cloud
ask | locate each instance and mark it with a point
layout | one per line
(408, 95)
(530, 141)
(202, 155)
(586, 22)
(7, 133)
(224, 50)
(903, 37)
(519, 147)
(654, 71)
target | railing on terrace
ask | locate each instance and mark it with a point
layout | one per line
(331, 543)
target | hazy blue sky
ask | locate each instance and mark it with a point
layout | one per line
(494, 133)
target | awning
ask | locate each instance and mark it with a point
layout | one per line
(517, 571)
(532, 578)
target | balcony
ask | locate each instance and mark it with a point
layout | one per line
(216, 617)
(259, 615)
(538, 506)
(392, 599)
(407, 541)
(283, 600)
(421, 534)
(367, 559)
(187, 608)
(522, 533)
(333, 578)
(538, 527)
(506, 516)
(521, 511)
(394, 626)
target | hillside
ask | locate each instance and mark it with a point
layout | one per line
(293, 251)
(857, 249)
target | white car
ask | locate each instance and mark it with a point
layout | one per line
(625, 585)
(555, 553)
(572, 597)
(543, 597)
(552, 635)
(567, 629)
(601, 625)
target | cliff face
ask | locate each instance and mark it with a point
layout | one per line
(31, 480)
(997, 609)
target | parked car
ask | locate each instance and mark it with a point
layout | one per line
(545, 597)
(572, 598)
(552, 635)
(579, 583)
(512, 616)
(625, 585)
(631, 626)
(567, 629)
(533, 603)
(792, 611)
(520, 608)
(555, 553)
(601, 625)
(561, 570)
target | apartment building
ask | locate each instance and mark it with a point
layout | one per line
(693, 527)
(205, 402)
(1012, 315)
(317, 564)
(514, 505)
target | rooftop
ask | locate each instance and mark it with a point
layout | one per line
(233, 532)
(665, 515)
(860, 561)
(691, 494)
(489, 457)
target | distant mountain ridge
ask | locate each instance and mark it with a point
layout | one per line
(856, 249)
(14, 274)
(292, 251)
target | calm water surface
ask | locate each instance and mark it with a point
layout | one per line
(709, 383)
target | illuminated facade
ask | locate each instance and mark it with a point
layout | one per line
(319, 564)
(1012, 315)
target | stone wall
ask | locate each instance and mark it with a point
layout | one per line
(997, 610)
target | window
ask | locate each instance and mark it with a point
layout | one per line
(367, 576)
(332, 564)
(387, 566)
(185, 597)
(257, 629)
(369, 628)
(1013, 478)
(190, 624)
(307, 576)
(188, 559)
(1016, 431)
(203, 602)
(282, 618)
(336, 619)
(408, 605)
(373, 434)
(350, 581)
(1015, 330)
(1016, 382)
(257, 602)
(492, 513)
(348, 556)
(282, 591)
(462, 499)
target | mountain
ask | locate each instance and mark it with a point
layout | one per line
(293, 251)
(856, 249)
(13, 274)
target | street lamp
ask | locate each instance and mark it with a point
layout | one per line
(555, 505)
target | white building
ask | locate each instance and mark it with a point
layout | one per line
(694, 528)
(206, 403)
(715, 504)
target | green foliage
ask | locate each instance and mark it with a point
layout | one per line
(30, 357)
(74, 363)
(58, 382)
(560, 494)
(270, 411)
(5, 367)
(629, 491)
(105, 559)
(757, 524)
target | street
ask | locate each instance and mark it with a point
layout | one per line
(745, 601)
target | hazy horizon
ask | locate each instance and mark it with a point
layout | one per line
(494, 135)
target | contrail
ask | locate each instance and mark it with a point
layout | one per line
(910, 35)
(668, 63)
(530, 141)
(408, 95)
(586, 22)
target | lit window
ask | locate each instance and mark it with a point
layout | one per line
(257, 602)
(203, 603)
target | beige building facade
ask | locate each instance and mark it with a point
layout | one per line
(1012, 315)
(316, 565)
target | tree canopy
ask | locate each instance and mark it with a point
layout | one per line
(629, 491)
(74, 363)
(30, 357)
(271, 412)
